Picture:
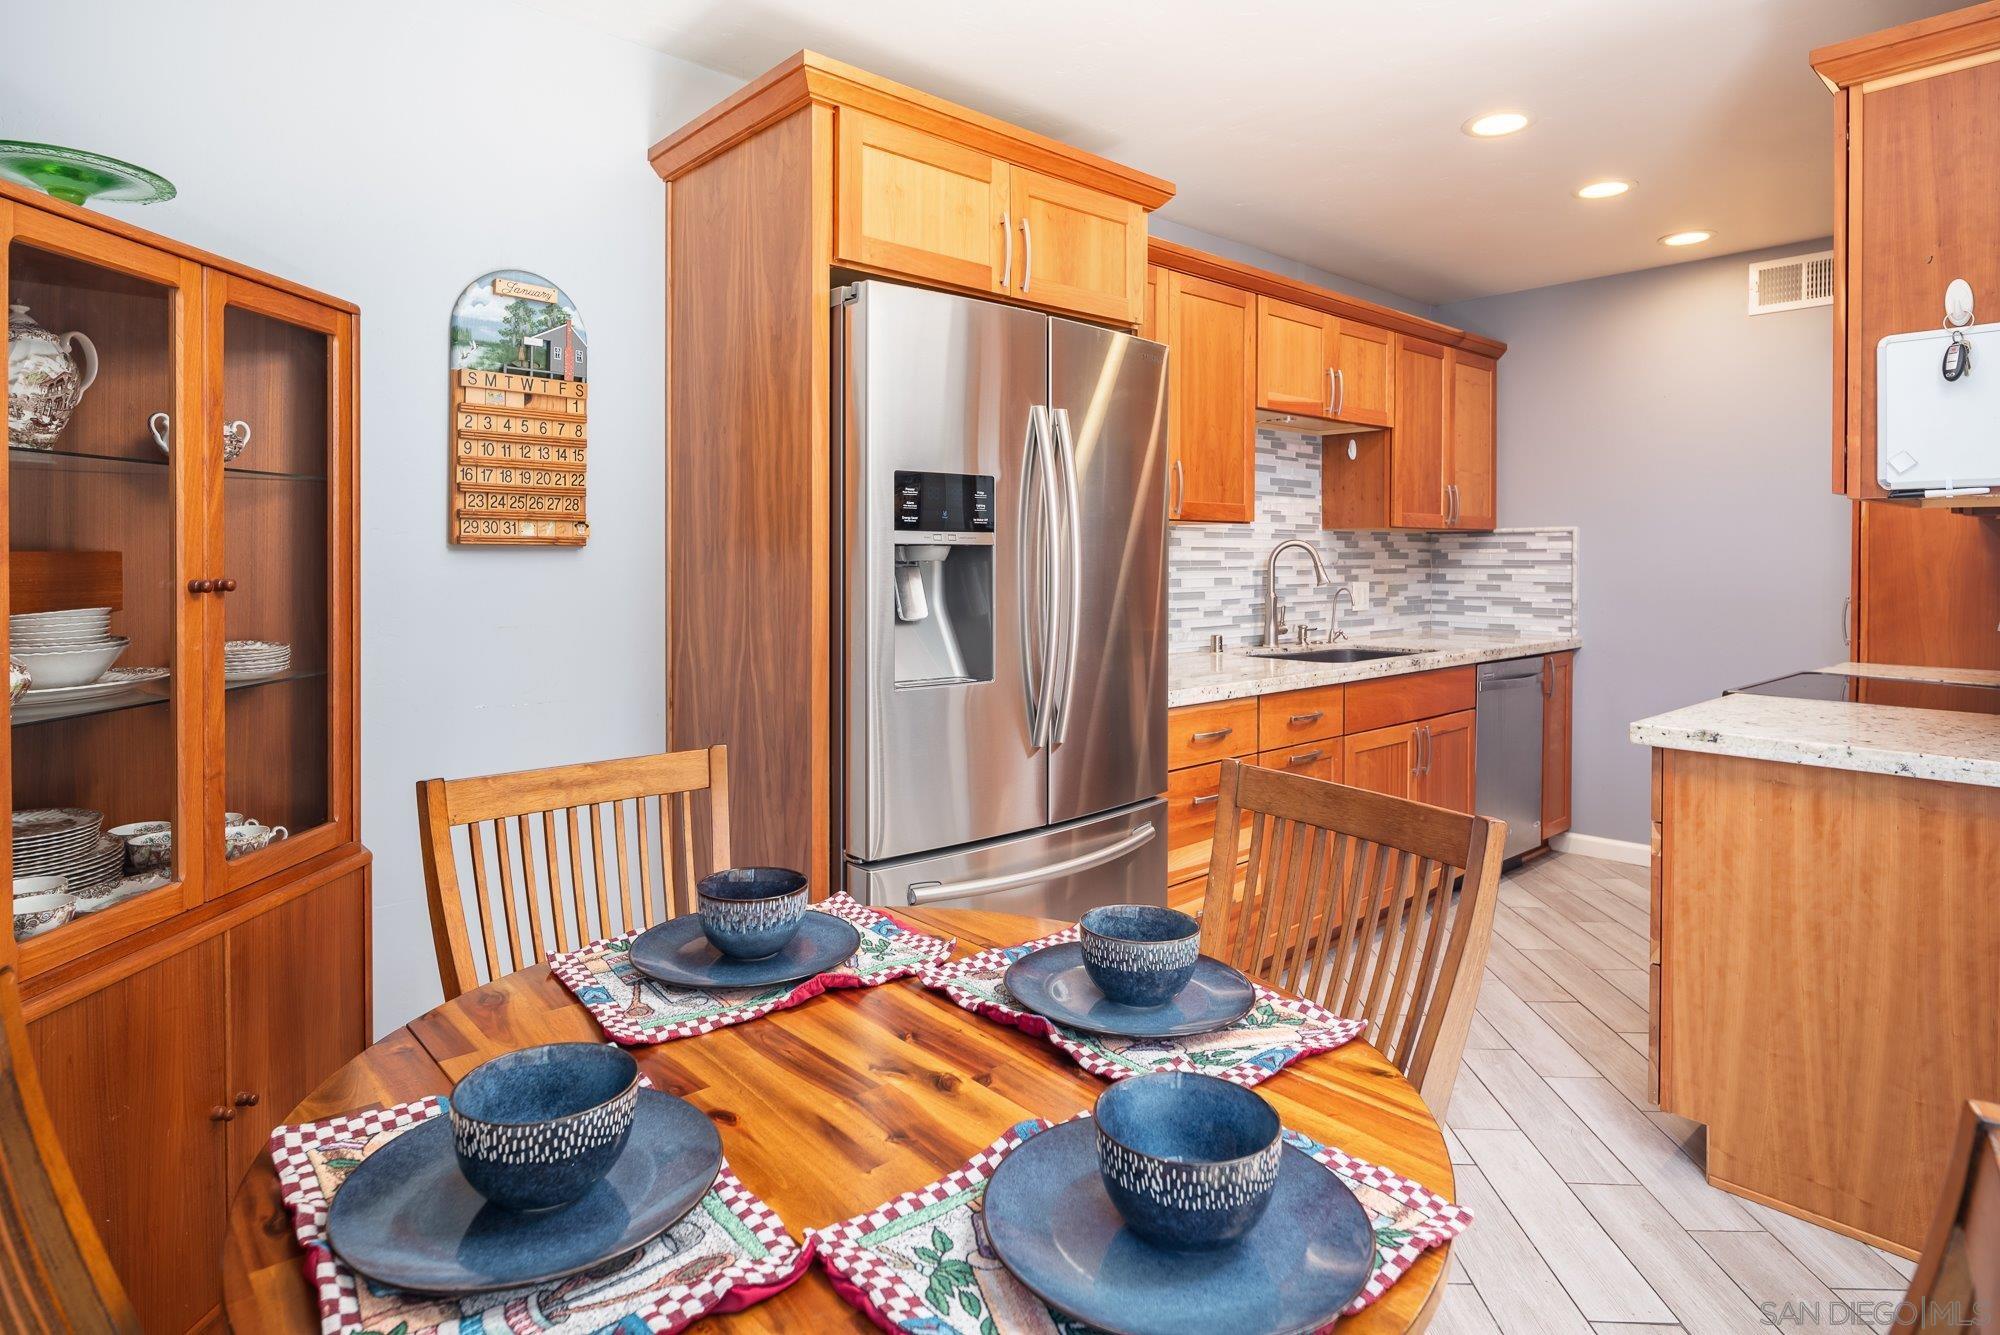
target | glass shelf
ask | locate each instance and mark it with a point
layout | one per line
(58, 458)
(152, 693)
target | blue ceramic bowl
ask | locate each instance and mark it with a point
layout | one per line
(751, 913)
(1188, 1160)
(1139, 954)
(538, 1128)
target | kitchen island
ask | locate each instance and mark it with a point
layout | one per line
(1826, 940)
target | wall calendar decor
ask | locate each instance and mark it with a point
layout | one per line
(520, 414)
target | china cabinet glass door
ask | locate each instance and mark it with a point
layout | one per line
(101, 511)
(278, 575)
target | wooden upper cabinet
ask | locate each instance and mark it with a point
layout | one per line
(1210, 330)
(1078, 249)
(1923, 212)
(1364, 374)
(1469, 472)
(1417, 450)
(921, 205)
(1294, 358)
(1317, 365)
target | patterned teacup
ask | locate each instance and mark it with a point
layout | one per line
(1188, 1160)
(41, 904)
(1139, 954)
(538, 1128)
(751, 913)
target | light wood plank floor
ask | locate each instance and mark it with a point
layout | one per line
(1593, 1215)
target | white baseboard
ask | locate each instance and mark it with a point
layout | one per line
(1597, 846)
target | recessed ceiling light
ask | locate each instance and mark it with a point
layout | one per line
(1603, 189)
(1693, 238)
(1494, 124)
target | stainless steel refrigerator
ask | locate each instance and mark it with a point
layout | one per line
(1003, 677)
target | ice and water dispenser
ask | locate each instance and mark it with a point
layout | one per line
(943, 574)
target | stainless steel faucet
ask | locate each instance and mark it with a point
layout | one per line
(1333, 617)
(1274, 607)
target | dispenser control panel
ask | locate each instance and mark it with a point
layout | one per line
(944, 503)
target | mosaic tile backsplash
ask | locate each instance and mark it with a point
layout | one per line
(1511, 579)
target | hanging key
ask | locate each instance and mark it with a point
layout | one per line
(1957, 357)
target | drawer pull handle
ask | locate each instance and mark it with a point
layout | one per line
(1299, 720)
(1306, 757)
(1206, 801)
(1214, 736)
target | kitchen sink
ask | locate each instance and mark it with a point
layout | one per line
(1334, 655)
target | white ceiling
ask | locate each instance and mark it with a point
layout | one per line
(1327, 131)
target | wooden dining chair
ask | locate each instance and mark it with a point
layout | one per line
(1961, 1259)
(609, 821)
(1377, 907)
(54, 1275)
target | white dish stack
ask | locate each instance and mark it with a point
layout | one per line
(63, 649)
(254, 660)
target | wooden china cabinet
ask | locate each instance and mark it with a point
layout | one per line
(175, 1026)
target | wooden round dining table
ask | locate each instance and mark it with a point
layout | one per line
(827, 1110)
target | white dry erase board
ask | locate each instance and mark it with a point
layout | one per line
(1932, 433)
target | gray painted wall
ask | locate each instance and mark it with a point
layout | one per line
(395, 193)
(1687, 441)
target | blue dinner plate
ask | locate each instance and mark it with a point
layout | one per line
(1055, 1229)
(1053, 983)
(677, 952)
(408, 1218)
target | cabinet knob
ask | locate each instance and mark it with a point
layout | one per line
(221, 1114)
(201, 586)
(248, 1100)
(225, 586)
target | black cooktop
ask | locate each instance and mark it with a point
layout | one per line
(1879, 691)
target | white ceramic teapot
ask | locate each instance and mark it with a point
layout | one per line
(44, 381)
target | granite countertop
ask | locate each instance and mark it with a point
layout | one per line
(1941, 744)
(1203, 678)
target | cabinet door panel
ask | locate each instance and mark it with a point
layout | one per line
(1191, 799)
(1382, 761)
(1079, 250)
(1556, 693)
(1294, 358)
(1448, 760)
(1417, 451)
(298, 1006)
(1365, 375)
(1471, 466)
(913, 203)
(131, 1074)
(1211, 375)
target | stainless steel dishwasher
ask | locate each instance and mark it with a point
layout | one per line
(1509, 758)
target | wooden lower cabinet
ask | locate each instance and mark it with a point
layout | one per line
(131, 1073)
(1558, 686)
(1449, 761)
(165, 1084)
(1383, 760)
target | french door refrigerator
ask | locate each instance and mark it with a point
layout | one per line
(1002, 533)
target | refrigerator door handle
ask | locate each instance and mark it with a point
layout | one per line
(1072, 573)
(929, 892)
(1045, 555)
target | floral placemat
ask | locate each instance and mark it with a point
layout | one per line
(728, 1252)
(1277, 1032)
(923, 1262)
(634, 1009)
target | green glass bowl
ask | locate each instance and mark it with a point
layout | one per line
(77, 176)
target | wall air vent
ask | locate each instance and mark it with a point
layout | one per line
(1792, 282)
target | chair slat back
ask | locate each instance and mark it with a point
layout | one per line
(54, 1274)
(1377, 907)
(534, 843)
(1960, 1269)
